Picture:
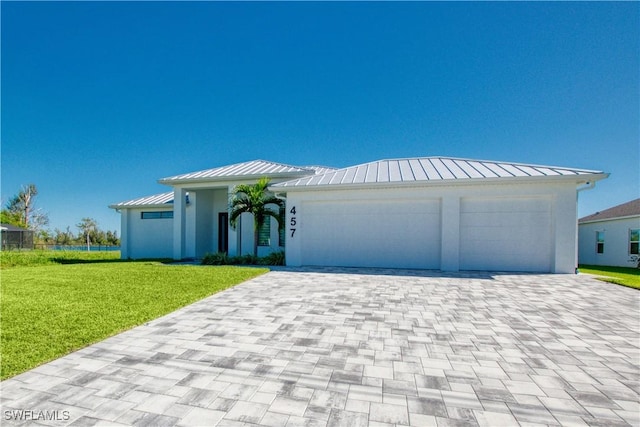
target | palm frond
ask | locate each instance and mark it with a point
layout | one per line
(254, 199)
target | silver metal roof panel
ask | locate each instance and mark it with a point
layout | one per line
(426, 169)
(156, 199)
(246, 169)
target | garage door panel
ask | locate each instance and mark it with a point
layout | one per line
(505, 234)
(371, 233)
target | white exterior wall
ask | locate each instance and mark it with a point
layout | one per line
(146, 238)
(247, 239)
(179, 223)
(616, 242)
(274, 241)
(438, 246)
(204, 223)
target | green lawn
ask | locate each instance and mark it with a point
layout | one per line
(619, 275)
(49, 309)
(10, 259)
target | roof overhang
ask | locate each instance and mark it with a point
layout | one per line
(576, 179)
(150, 206)
(233, 178)
(617, 218)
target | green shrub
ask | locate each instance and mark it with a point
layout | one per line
(247, 259)
(219, 258)
(274, 258)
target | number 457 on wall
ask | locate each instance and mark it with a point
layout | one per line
(292, 221)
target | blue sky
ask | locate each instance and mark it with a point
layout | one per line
(101, 99)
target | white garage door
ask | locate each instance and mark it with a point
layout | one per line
(505, 234)
(378, 233)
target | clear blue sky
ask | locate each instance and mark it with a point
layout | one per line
(101, 99)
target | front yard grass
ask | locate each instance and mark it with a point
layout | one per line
(51, 310)
(10, 259)
(624, 276)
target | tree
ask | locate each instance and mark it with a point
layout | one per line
(44, 236)
(11, 218)
(112, 238)
(63, 237)
(254, 199)
(20, 210)
(21, 204)
(87, 227)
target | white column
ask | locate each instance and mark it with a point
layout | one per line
(565, 231)
(233, 233)
(450, 239)
(124, 233)
(179, 222)
(293, 245)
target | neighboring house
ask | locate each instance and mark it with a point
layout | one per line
(14, 237)
(611, 237)
(430, 213)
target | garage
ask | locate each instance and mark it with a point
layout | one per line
(512, 234)
(371, 233)
(437, 213)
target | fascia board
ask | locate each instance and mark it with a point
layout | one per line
(232, 178)
(577, 179)
(617, 218)
(159, 206)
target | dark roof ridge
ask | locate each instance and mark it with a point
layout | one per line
(630, 208)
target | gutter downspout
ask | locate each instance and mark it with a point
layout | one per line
(588, 186)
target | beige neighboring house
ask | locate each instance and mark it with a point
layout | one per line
(610, 237)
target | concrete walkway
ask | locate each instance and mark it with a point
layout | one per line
(356, 348)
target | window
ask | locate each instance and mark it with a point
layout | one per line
(282, 231)
(156, 215)
(600, 242)
(634, 239)
(264, 234)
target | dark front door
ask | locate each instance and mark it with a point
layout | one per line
(223, 232)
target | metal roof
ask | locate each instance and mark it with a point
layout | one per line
(155, 200)
(246, 169)
(10, 227)
(427, 169)
(628, 209)
(255, 168)
(319, 169)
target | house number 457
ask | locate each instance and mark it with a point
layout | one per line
(292, 221)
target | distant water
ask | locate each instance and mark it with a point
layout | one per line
(93, 248)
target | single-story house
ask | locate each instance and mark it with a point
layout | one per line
(430, 213)
(610, 237)
(14, 237)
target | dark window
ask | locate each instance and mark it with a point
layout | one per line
(600, 242)
(223, 232)
(264, 234)
(156, 215)
(634, 240)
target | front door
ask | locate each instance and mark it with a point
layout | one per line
(223, 232)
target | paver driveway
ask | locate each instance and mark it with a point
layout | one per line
(360, 347)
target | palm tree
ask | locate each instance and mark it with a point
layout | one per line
(254, 199)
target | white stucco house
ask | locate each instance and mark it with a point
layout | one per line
(611, 237)
(430, 213)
